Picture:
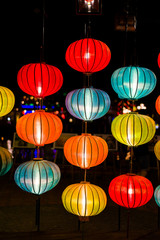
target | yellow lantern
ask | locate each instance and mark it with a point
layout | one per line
(84, 199)
(133, 129)
(157, 150)
(7, 101)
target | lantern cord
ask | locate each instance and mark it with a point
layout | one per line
(131, 160)
(41, 103)
(85, 126)
(85, 175)
(158, 171)
(43, 33)
(125, 41)
(128, 222)
(38, 213)
(38, 152)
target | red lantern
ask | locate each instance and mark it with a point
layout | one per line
(157, 105)
(88, 55)
(130, 190)
(39, 79)
(158, 60)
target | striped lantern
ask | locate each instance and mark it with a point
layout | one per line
(157, 149)
(87, 103)
(37, 176)
(157, 195)
(7, 101)
(6, 161)
(157, 105)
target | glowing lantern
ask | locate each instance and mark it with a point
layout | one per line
(87, 103)
(39, 79)
(7, 101)
(157, 195)
(157, 105)
(133, 129)
(157, 150)
(6, 161)
(85, 151)
(130, 190)
(133, 82)
(37, 176)
(158, 60)
(84, 199)
(39, 128)
(88, 55)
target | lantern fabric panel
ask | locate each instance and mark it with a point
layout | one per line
(130, 190)
(88, 55)
(37, 176)
(84, 199)
(133, 129)
(157, 150)
(85, 151)
(157, 105)
(7, 101)
(87, 103)
(6, 161)
(133, 82)
(39, 128)
(39, 79)
(157, 195)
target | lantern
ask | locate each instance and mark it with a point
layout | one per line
(130, 190)
(39, 128)
(6, 161)
(157, 105)
(133, 82)
(85, 151)
(37, 176)
(87, 103)
(7, 101)
(157, 195)
(158, 60)
(133, 129)
(84, 199)
(157, 150)
(39, 79)
(88, 55)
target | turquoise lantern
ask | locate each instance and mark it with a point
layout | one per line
(157, 195)
(6, 161)
(133, 82)
(87, 103)
(37, 176)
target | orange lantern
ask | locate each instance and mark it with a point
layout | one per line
(157, 105)
(39, 128)
(85, 151)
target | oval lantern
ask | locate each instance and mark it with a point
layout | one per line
(6, 161)
(157, 149)
(37, 176)
(157, 105)
(84, 199)
(130, 190)
(85, 151)
(133, 129)
(87, 103)
(158, 60)
(7, 101)
(157, 195)
(39, 79)
(133, 82)
(88, 55)
(39, 128)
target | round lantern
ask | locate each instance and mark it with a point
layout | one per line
(157, 195)
(85, 151)
(84, 199)
(133, 129)
(133, 82)
(7, 101)
(39, 79)
(37, 176)
(130, 190)
(87, 103)
(158, 60)
(39, 128)
(157, 105)
(157, 150)
(88, 55)
(6, 161)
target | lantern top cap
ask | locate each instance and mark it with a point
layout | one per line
(37, 159)
(85, 134)
(84, 182)
(130, 174)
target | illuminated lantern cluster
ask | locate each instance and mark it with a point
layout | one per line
(6, 161)
(7, 101)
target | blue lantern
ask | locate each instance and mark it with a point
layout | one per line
(6, 161)
(87, 103)
(133, 82)
(37, 176)
(157, 195)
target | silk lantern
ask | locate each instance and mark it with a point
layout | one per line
(84, 199)
(39, 79)
(157, 105)
(6, 161)
(87, 103)
(37, 176)
(133, 82)
(39, 128)
(133, 129)
(157, 149)
(157, 195)
(88, 55)
(130, 190)
(158, 60)
(7, 101)
(85, 151)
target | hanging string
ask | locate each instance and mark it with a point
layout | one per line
(43, 33)
(85, 175)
